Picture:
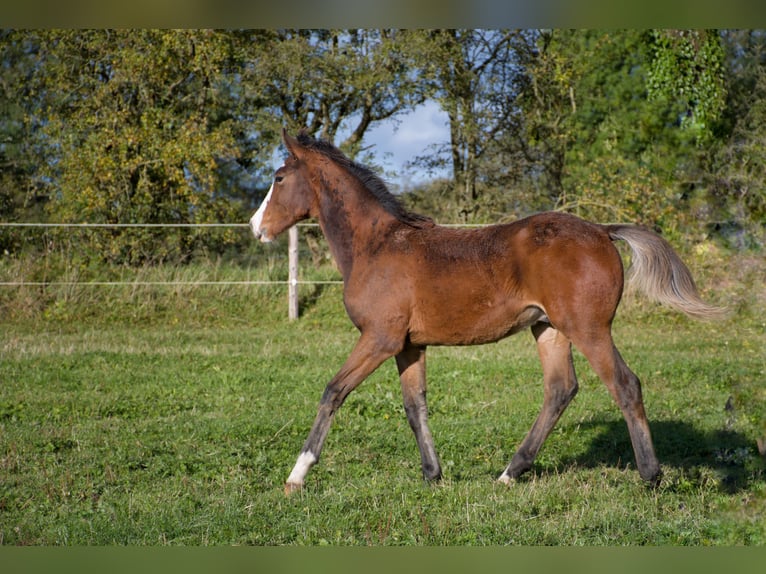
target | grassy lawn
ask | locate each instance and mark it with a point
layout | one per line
(182, 432)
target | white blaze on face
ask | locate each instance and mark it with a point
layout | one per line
(257, 219)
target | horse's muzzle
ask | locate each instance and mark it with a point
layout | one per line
(260, 233)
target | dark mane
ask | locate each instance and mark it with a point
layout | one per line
(371, 181)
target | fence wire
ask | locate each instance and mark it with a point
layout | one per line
(312, 242)
(143, 283)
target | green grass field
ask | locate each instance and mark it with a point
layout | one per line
(181, 429)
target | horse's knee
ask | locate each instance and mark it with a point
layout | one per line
(568, 391)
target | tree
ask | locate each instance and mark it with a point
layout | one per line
(595, 142)
(475, 76)
(546, 106)
(329, 81)
(181, 126)
(21, 195)
(159, 126)
(133, 134)
(733, 199)
(688, 66)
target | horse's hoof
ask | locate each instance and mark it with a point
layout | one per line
(293, 487)
(654, 479)
(505, 479)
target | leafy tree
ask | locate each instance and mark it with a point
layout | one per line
(595, 141)
(21, 196)
(474, 75)
(129, 119)
(329, 81)
(547, 106)
(733, 199)
(629, 152)
(661, 127)
(160, 126)
(688, 66)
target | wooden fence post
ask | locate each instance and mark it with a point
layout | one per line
(292, 263)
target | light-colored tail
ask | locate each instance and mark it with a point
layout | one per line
(657, 271)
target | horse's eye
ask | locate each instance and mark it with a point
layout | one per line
(278, 179)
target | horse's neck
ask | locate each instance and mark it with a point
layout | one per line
(350, 218)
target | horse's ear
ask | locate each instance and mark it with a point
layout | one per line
(290, 142)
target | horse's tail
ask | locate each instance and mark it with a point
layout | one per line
(658, 272)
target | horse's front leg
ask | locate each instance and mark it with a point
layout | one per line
(367, 356)
(411, 363)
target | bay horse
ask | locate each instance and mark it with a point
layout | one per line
(409, 283)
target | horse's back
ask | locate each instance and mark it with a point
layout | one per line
(538, 245)
(480, 285)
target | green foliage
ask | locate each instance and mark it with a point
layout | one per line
(616, 189)
(133, 138)
(602, 149)
(733, 200)
(21, 195)
(177, 126)
(689, 66)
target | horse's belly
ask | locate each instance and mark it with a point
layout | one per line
(471, 324)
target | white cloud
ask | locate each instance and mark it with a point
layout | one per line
(396, 142)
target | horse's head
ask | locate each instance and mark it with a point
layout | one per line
(290, 198)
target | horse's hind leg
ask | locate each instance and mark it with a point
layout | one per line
(411, 363)
(560, 388)
(625, 388)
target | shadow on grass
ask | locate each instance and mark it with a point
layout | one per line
(310, 300)
(679, 445)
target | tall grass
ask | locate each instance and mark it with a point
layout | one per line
(65, 285)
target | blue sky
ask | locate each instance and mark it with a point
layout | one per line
(395, 142)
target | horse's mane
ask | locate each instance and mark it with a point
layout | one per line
(371, 181)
